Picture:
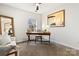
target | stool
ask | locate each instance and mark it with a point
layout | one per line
(38, 37)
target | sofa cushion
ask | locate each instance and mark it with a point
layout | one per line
(5, 39)
(4, 50)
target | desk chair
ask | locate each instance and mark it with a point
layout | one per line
(38, 37)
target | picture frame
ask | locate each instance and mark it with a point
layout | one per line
(56, 19)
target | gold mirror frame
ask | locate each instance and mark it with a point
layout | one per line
(12, 23)
(56, 19)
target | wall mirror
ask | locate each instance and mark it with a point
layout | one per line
(6, 25)
(56, 19)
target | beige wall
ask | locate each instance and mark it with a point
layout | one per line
(20, 20)
(68, 35)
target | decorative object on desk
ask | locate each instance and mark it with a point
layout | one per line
(56, 19)
(28, 30)
(45, 28)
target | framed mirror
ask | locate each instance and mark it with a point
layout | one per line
(6, 25)
(56, 19)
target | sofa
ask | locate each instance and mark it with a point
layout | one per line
(7, 45)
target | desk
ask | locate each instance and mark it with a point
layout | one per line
(38, 33)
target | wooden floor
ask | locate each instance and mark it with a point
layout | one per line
(45, 49)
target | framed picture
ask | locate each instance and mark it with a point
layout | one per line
(56, 19)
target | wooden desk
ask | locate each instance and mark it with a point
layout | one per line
(38, 33)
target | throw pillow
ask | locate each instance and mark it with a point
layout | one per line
(5, 39)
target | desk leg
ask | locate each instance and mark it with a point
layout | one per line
(49, 39)
(28, 37)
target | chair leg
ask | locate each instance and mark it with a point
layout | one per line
(35, 40)
(41, 39)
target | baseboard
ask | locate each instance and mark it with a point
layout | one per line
(60, 43)
(66, 45)
(20, 42)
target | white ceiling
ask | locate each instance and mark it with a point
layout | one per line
(31, 6)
